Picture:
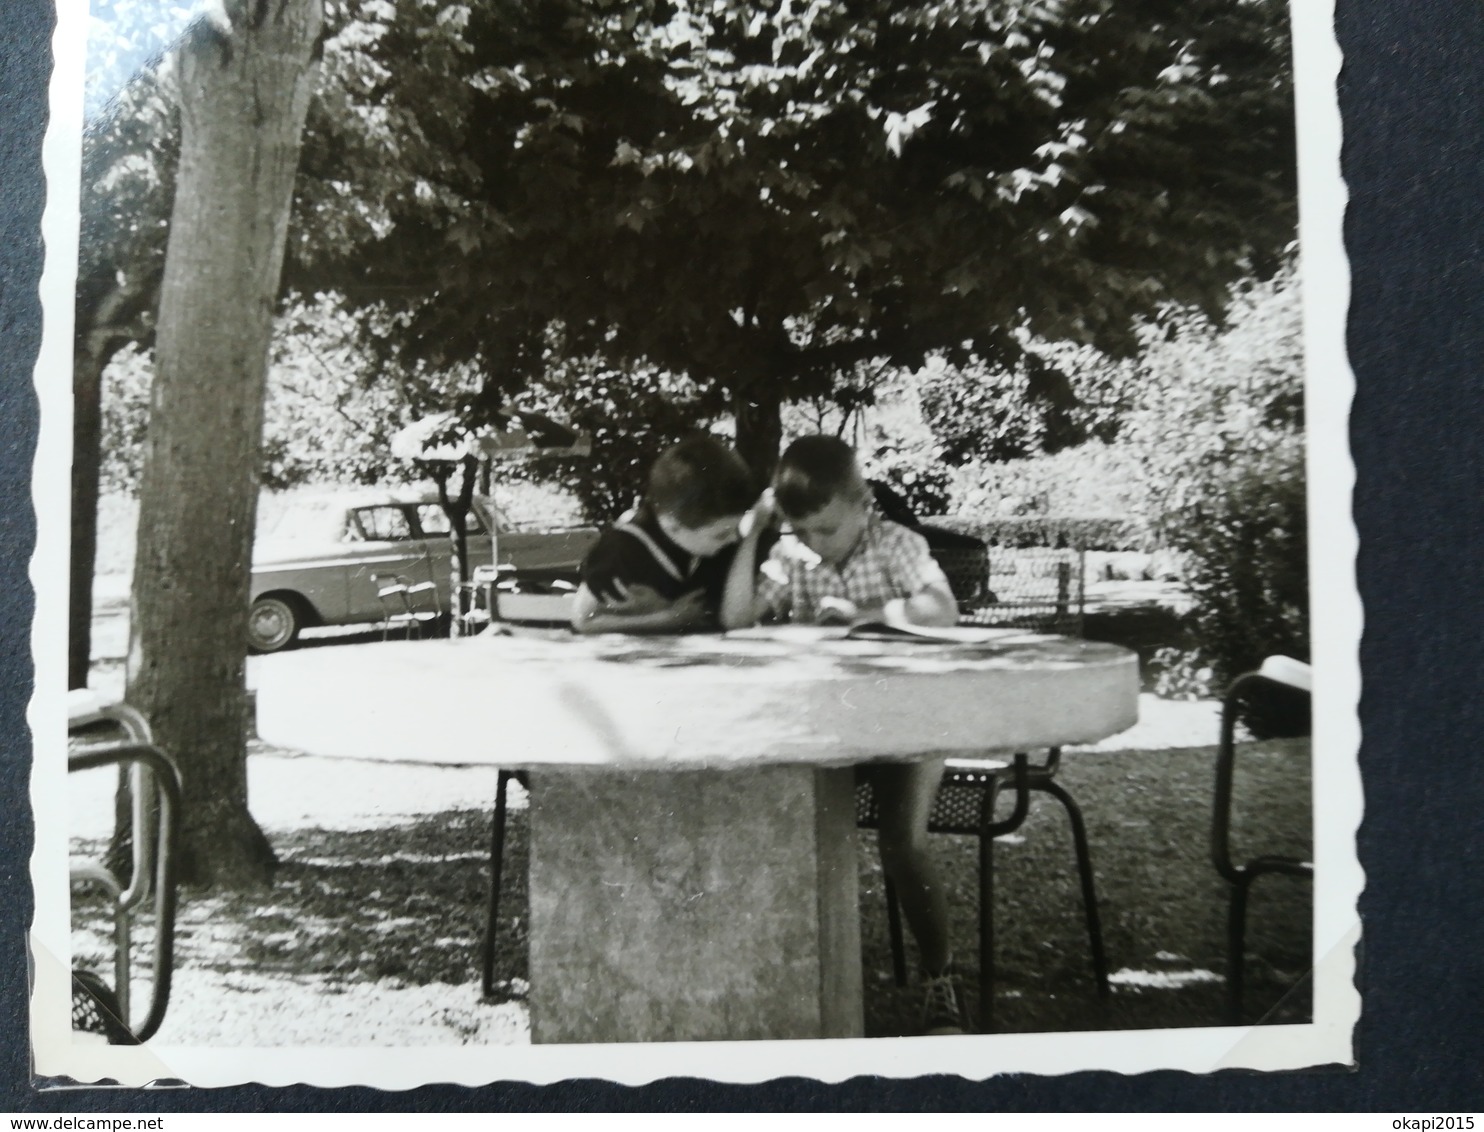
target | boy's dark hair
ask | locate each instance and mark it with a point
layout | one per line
(699, 481)
(813, 472)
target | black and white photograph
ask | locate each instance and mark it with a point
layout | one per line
(635, 538)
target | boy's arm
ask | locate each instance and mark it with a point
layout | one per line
(928, 599)
(740, 604)
(932, 605)
(638, 615)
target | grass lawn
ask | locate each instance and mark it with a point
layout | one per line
(371, 932)
(1163, 907)
(362, 925)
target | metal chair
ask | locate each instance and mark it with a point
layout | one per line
(402, 605)
(153, 785)
(966, 804)
(481, 604)
(1038, 588)
(1281, 674)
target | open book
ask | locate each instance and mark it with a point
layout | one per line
(877, 631)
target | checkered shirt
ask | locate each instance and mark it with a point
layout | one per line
(889, 562)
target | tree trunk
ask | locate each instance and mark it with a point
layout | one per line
(104, 326)
(759, 414)
(457, 511)
(244, 93)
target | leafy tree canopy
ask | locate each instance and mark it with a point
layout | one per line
(761, 197)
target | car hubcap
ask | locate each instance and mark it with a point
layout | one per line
(269, 625)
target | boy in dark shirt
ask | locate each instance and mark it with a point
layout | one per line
(663, 569)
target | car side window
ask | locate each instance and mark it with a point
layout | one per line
(384, 524)
(433, 520)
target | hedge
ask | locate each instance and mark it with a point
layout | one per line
(1021, 531)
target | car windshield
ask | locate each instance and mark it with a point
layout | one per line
(308, 522)
(434, 520)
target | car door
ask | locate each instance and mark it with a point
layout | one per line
(383, 547)
(545, 554)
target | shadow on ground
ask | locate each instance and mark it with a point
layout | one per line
(404, 905)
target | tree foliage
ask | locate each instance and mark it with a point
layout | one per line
(631, 416)
(1051, 398)
(758, 197)
(761, 197)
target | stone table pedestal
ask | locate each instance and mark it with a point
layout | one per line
(694, 905)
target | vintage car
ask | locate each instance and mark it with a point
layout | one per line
(330, 560)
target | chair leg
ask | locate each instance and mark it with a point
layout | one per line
(1089, 890)
(894, 930)
(1236, 934)
(985, 1020)
(497, 856)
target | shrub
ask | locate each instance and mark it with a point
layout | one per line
(1221, 436)
(917, 475)
(1246, 540)
(329, 410)
(125, 420)
(1092, 479)
(1040, 397)
(1022, 531)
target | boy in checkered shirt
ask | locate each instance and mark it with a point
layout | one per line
(845, 563)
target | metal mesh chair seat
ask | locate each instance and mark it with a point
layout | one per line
(958, 805)
(966, 804)
(96, 1010)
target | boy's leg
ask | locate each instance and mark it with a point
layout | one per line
(904, 799)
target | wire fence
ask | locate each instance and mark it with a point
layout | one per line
(1037, 588)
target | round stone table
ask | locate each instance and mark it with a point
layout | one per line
(692, 863)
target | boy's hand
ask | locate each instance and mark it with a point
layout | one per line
(690, 609)
(764, 514)
(633, 599)
(837, 611)
(687, 610)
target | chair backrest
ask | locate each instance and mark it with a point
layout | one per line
(1292, 673)
(957, 806)
(1037, 588)
(154, 782)
(87, 708)
(1290, 682)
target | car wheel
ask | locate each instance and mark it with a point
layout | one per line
(272, 624)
